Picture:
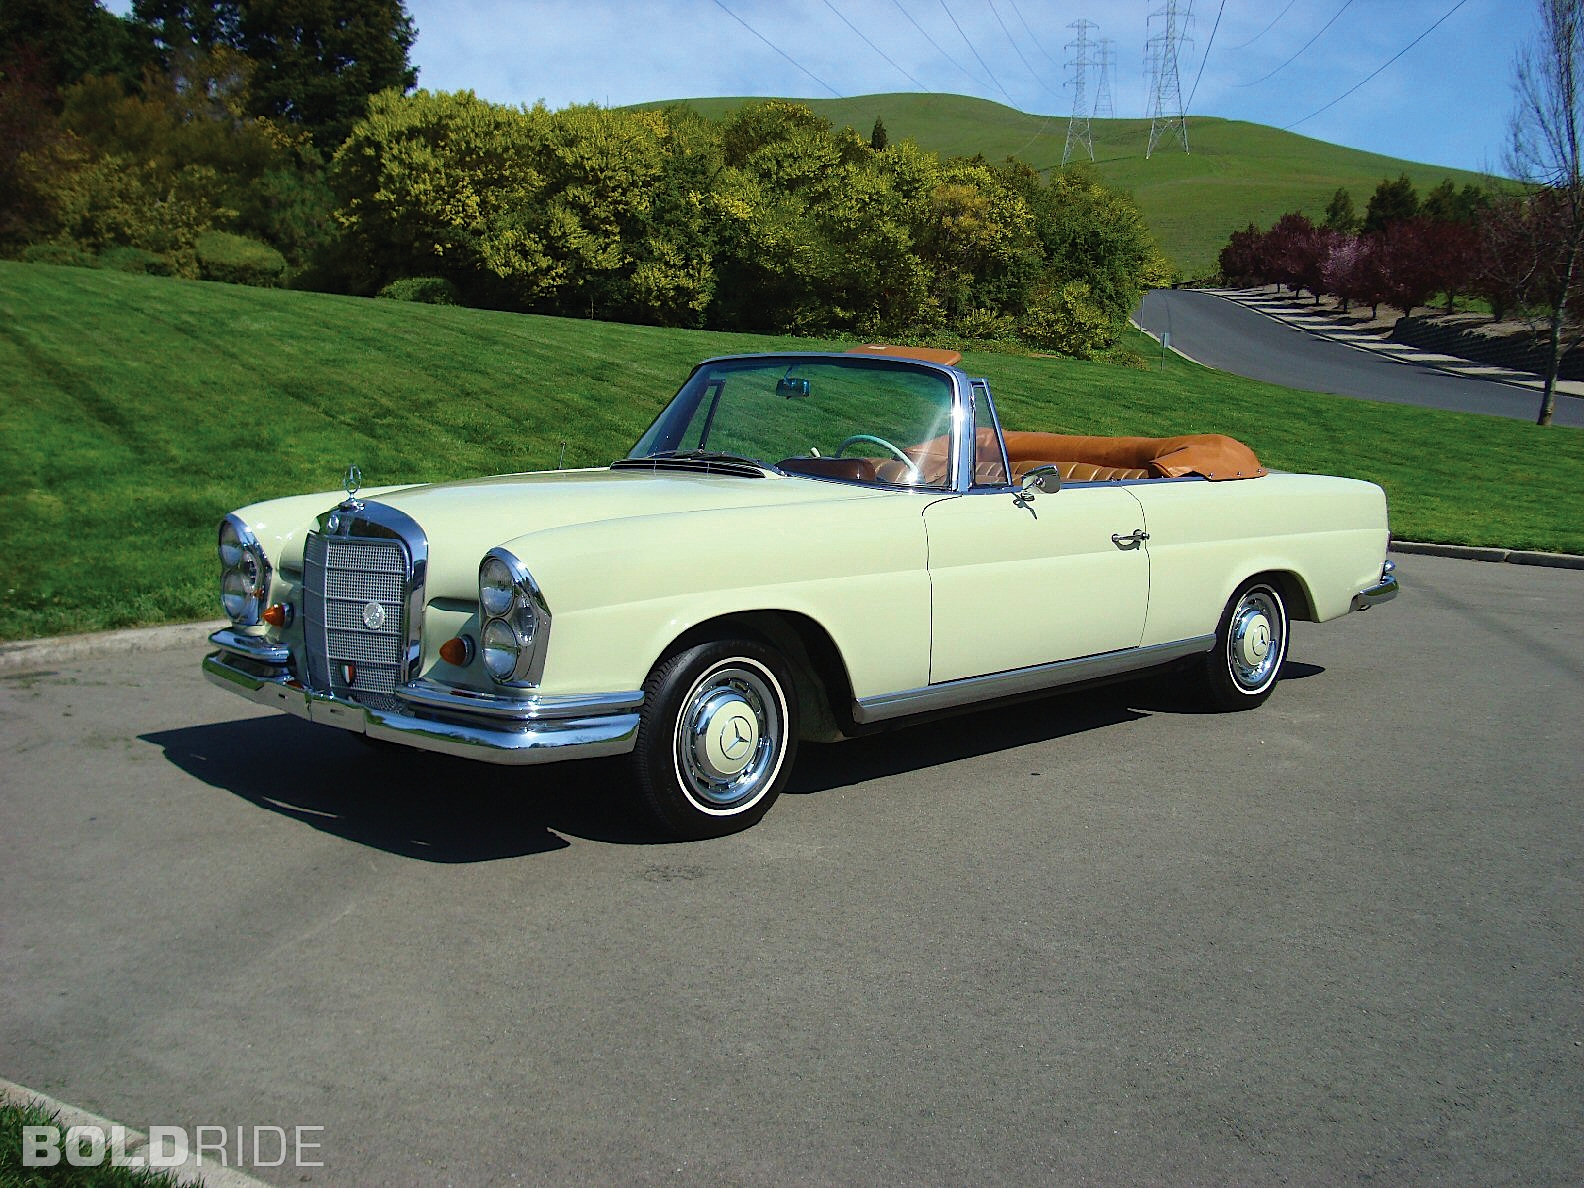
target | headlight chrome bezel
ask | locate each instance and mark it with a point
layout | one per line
(513, 608)
(245, 572)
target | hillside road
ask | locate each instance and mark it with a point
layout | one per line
(1230, 337)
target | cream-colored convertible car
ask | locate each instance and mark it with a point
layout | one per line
(802, 546)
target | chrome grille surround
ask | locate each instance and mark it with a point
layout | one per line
(363, 595)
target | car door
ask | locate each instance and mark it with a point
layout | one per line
(1064, 575)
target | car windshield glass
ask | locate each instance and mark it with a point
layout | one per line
(852, 420)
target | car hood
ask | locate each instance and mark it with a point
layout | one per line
(464, 520)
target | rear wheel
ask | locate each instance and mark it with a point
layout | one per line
(1251, 644)
(717, 738)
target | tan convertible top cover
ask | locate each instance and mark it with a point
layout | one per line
(1212, 455)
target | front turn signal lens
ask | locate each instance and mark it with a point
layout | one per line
(279, 615)
(457, 652)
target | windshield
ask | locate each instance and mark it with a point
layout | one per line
(853, 420)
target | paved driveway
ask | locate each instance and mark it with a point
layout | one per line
(1095, 938)
(1231, 337)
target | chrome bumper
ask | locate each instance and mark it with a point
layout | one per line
(1382, 591)
(435, 717)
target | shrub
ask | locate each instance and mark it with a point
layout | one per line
(59, 253)
(1068, 320)
(131, 259)
(238, 260)
(427, 290)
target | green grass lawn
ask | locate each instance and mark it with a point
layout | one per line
(1236, 173)
(135, 411)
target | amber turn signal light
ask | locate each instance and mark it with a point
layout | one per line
(458, 651)
(279, 615)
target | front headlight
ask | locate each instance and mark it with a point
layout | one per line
(244, 573)
(514, 620)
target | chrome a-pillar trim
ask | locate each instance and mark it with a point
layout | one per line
(967, 690)
(1382, 591)
(565, 728)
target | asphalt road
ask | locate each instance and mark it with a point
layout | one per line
(1093, 939)
(1231, 337)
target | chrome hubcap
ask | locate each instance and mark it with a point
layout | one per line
(729, 736)
(1255, 642)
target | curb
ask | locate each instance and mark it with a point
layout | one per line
(33, 655)
(1476, 553)
(189, 1172)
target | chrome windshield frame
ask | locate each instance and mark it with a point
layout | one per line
(960, 463)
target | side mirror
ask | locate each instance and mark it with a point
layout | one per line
(1047, 480)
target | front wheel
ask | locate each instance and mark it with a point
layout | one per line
(1251, 643)
(717, 738)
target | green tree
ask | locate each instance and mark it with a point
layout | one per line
(878, 138)
(1448, 204)
(1094, 236)
(317, 62)
(1393, 202)
(63, 41)
(1340, 214)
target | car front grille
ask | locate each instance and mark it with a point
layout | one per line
(355, 593)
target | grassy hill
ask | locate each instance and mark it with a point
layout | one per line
(135, 411)
(1236, 173)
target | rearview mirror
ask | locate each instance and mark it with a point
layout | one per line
(790, 386)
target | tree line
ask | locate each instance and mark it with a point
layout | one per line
(282, 141)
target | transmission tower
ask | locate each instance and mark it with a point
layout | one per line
(1161, 50)
(1105, 61)
(1079, 63)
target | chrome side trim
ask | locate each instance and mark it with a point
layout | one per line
(253, 647)
(967, 690)
(433, 695)
(516, 743)
(1382, 591)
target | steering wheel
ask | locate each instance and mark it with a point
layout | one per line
(895, 452)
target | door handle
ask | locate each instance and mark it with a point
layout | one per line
(1131, 541)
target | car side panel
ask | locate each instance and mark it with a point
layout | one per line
(621, 591)
(1014, 586)
(1206, 538)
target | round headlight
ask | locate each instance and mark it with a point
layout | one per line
(230, 545)
(497, 587)
(501, 649)
(235, 594)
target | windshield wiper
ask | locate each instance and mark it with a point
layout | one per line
(704, 458)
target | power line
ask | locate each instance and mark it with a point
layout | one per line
(778, 49)
(1299, 54)
(1266, 29)
(1388, 62)
(1032, 37)
(875, 47)
(994, 81)
(1015, 49)
(1194, 90)
(952, 58)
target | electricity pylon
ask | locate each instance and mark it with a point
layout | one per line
(1167, 117)
(1078, 123)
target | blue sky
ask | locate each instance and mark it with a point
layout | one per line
(1446, 101)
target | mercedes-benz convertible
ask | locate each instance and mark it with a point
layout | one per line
(801, 547)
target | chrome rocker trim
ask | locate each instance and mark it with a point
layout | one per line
(951, 694)
(1382, 591)
(528, 731)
